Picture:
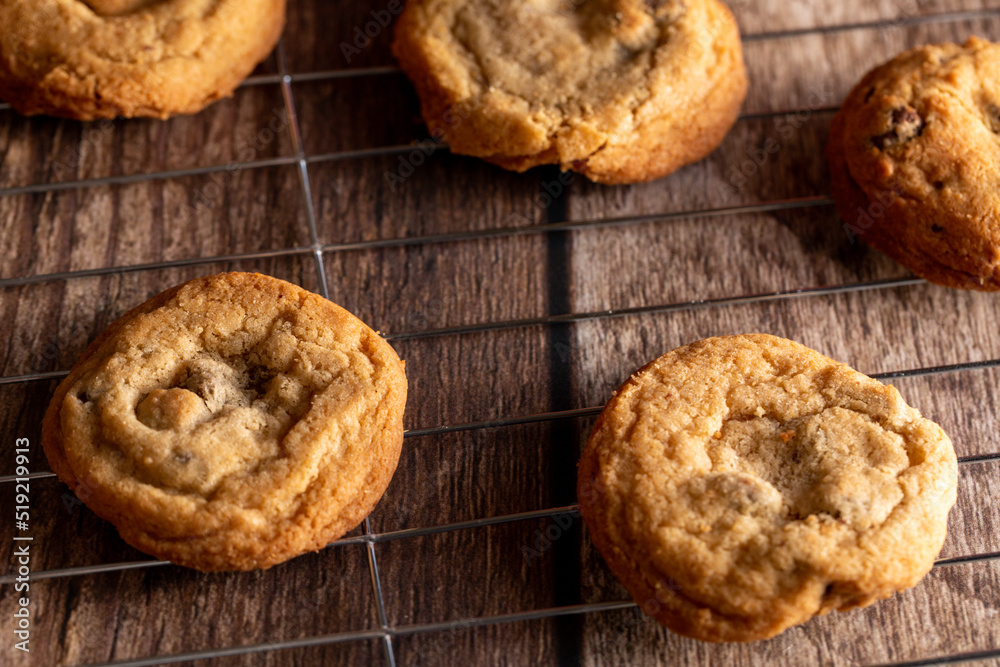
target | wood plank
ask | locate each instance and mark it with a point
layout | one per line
(50, 324)
(877, 331)
(964, 404)
(251, 125)
(523, 643)
(153, 221)
(352, 103)
(401, 196)
(945, 614)
(470, 475)
(836, 61)
(766, 17)
(167, 610)
(320, 28)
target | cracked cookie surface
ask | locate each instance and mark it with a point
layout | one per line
(741, 485)
(230, 423)
(109, 58)
(618, 90)
(914, 159)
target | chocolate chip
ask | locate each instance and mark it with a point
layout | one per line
(937, 228)
(993, 117)
(258, 378)
(666, 10)
(938, 185)
(883, 140)
(906, 124)
(906, 116)
(868, 95)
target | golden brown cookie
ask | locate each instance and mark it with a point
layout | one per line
(915, 162)
(740, 485)
(230, 423)
(619, 90)
(106, 58)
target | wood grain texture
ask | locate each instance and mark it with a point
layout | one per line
(377, 215)
(945, 614)
(47, 150)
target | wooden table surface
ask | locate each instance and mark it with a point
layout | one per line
(502, 312)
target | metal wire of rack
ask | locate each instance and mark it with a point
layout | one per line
(386, 632)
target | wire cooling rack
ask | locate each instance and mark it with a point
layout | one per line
(386, 633)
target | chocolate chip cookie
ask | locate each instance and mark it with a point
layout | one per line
(740, 485)
(230, 423)
(106, 58)
(914, 159)
(618, 90)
